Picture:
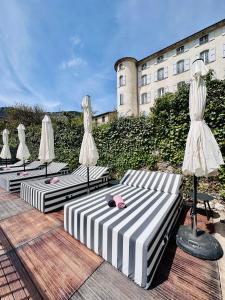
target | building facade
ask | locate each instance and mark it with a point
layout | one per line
(104, 117)
(139, 83)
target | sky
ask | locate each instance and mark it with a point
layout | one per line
(54, 52)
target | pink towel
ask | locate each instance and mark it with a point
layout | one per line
(54, 180)
(24, 173)
(119, 201)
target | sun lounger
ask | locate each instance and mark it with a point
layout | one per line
(11, 182)
(48, 197)
(134, 238)
(31, 166)
(19, 163)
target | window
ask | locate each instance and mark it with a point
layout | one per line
(122, 80)
(204, 39)
(180, 66)
(160, 74)
(103, 119)
(121, 99)
(180, 50)
(161, 92)
(121, 67)
(205, 56)
(144, 66)
(144, 98)
(180, 84)
(160, 59)
(144, 80)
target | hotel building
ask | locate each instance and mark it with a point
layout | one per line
(140, 82)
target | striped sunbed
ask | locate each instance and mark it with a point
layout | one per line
(19, 163)
(48, 197)
(31, 166)
(12, 182)
(132, 239)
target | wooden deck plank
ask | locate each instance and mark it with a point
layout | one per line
(14, 280)
(5, 196)
(27, 226)
(9, 208)
(67, 263)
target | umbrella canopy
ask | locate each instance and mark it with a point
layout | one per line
(88, 152)
(5, 153)
(46, 150)
(22, 151)
(202, 154)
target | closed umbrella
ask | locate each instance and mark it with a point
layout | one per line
(88, 152)
(5, 153)
(22, 151)
(46, 150)
(202, 158)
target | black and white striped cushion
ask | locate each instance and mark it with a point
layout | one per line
(95, 172)
(48, 197)
(11, 182)
(158, 181)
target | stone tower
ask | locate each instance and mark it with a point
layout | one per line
(127, 94)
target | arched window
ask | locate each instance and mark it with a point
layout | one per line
(180, 66)
(121, 99)
(205, 56)
(144, 80)
(160, 74)
(144, 66)
(122, 80)
(180, 84)
(161, 92)
(144, 98)
(121, 67)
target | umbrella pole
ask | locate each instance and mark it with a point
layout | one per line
(46, 169)
(88, 183)
(24, 165)
(194, 211)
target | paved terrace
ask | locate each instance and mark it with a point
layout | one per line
(39, 260)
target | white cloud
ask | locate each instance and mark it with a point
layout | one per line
(76, 40)
(73, 63)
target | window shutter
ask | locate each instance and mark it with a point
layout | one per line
(148, 97)
(186, 64)
(155, 76)
(140, 99)
(148, 64)
(148, 78)
(140, 82)
(212, 54)
(211, 36)
(223, 32)
(174, 69)
(223, 50)
(165, 72)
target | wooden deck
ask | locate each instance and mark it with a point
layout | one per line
(39, 260)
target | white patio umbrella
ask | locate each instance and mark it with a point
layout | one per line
(46, 150)
(88, 152)
(5, 153)
(202, 158)
(22, 151)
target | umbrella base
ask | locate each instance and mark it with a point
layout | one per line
(203, 245)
